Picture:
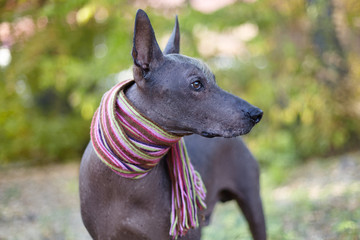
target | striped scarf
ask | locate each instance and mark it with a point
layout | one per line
(131, 145)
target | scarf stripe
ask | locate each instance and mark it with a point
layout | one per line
(131, 145)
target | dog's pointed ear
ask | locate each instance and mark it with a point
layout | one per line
(173, 45)
(146, 51)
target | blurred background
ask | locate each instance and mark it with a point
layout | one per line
(297, 60)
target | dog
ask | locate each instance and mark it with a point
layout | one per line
(178, 93)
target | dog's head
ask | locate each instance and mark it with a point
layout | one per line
(180, 93)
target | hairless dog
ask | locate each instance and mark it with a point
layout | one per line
(179, 94)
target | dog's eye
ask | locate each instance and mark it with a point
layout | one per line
(197, 85)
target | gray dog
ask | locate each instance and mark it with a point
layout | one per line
(179, 94)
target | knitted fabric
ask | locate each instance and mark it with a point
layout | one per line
(131, 145)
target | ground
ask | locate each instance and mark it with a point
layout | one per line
(319, 200)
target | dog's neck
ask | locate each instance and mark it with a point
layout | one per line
(141, 102)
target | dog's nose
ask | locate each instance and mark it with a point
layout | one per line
(255, 115)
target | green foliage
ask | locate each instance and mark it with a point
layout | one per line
(51, 88)
(60, 69)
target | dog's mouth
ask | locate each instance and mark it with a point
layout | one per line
(215, 132)
(225, 135)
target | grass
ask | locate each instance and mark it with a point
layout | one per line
(319, 200)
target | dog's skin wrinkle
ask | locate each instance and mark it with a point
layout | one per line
(114, 207)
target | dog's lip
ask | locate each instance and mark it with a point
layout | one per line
(227, 134)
